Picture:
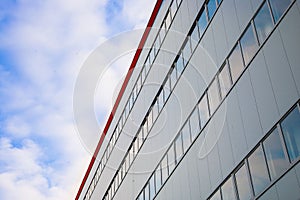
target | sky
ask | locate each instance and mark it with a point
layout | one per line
(43, 45)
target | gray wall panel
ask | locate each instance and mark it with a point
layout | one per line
(279, 70)
(263, 92)
(244, 12)
(288, 187)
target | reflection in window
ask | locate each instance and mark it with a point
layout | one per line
(152, 187)
(202, 23)
(203, 109)
(242, 184)
(211, 8)
(276, 160)
(186, 136)
(216, 196)
(224, 80)
(236, 63)
(158, 178)
(249, 44)
(228, 192)
(164, 169)
(146, 192)
(178, 148)
(291, 131)
(179, 65)
(279, 7)
(173, 77)
(213, 95)
(263, 23)
(258, 170)
(195, 37)
(194, 124)
(171, 158)
(187, 52)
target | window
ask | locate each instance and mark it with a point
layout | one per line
(242, 183)
(195, 37)
(152, 187)
(158, 178)
(164, 168)
(173, 9)
(186, 136)
(161, 100)
(187, 51)
(171, 158)
(228, 192)
(203, 109)
(167, 91)
(173, 77)
(276, 160)
(178, 148)
(291, 131)
(263, 23)
(224, 80)
(216, 195)
(213, 95)
(179, 65)
(279, 7)
(211, 8)
(194, 124)
(146, 192)
(249, 44)
(155, 110)
(236, 62)
(150, 119)
(202, 23)
(168, 20)
(258, 170)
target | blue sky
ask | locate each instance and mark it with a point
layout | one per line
(43, 44)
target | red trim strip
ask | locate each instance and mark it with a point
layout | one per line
(132, 66)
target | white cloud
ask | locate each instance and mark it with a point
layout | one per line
(48, 41)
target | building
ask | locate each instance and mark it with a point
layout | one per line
(210, 109)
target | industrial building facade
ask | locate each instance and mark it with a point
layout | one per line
(210, 108)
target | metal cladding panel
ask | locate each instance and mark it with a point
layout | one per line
(244, 12)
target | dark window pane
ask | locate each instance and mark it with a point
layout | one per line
(186, 136)
(203, 109)
(279, 7)
(228, 192)
(179, 65)
(164, 169)
(249, 44)
(236, 63)
(211, 8)
(242, 184)
(178, 148)
(194, 123)
(225, 80)
(291, 131)
(216, 196)
(263, 23)
(213, 95)
(173, 77)
(202, 23)
(276, 160)
(258, 170)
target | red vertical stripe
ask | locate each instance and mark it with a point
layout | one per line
(132, 66)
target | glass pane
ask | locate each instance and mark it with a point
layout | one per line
(187, 52)
(164, 169)
(202, 23)
(152, 187)
(178, 148)
(274, 154)
(242, 184)
(228, 192)
(216, 196)
(249, 44)
(211, 8)
(195, 124)
(173, 9)
(291, 131)
(258, 170)
(236, 63)
(146, 192)
(186, 136)
(158, 178)
(195, 37)
(179, 65)
(204, 112)
(213, 95)
(173, 77)
(224, 80)
(263, 23)
(155, 110)
(278, 7)
(168, 21)
(171, 158)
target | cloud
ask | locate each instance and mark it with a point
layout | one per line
(43, 44)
